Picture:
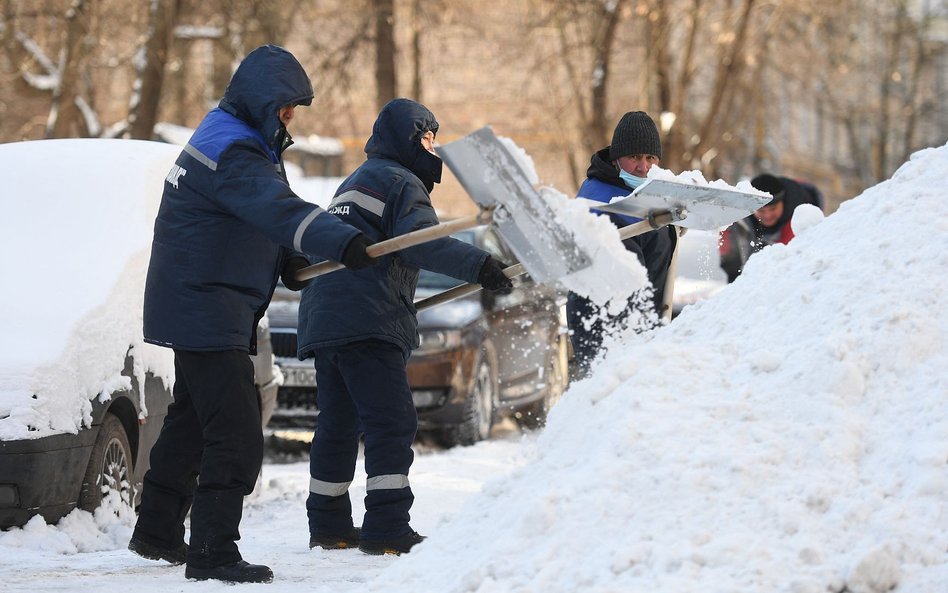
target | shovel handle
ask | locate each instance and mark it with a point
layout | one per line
(655, 221)
(463, 290)
(669, 293)
(404, 241)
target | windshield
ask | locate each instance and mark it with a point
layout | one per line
(436, 281)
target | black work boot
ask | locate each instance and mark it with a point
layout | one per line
(396, 545)
(329, 541)
(238, 572)
(144, 549)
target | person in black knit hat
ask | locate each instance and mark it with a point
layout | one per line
(616, 171)
(769, 224)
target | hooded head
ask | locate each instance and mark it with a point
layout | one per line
(266, 80)
(397, 134)
(635, 133)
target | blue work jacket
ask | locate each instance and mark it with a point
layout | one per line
(228, 218)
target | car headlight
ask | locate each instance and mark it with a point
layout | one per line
(444, 339)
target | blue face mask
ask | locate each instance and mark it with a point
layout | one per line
(631, 180)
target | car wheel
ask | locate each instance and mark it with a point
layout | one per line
(109, 466)
(479, 408)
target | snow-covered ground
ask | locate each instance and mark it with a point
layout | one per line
(788, 435)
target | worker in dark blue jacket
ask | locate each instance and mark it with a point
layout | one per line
(361, 327)
(615, 171)
(227, 227)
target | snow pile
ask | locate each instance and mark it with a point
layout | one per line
(790, 434)
(76, 226)
(108, 528)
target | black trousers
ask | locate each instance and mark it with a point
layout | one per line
(206, 459)
(362, 387)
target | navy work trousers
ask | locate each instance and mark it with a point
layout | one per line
(207, 458)
(362, 388)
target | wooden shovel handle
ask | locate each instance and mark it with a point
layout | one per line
(657, 221)
(403, 241)
(463, 290)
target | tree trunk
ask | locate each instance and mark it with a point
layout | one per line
(385, 79)
(65, 120)
(416, 82)
(673, 144)
(143, 111)
(600, 127)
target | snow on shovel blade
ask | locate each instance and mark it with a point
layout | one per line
(492, 177)
(708, 208)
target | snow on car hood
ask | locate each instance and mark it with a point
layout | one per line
(76, 227)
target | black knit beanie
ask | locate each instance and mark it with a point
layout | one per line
(770, 184)
(635, 133)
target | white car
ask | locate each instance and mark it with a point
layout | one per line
(82, 397)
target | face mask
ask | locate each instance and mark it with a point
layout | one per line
(631, 180)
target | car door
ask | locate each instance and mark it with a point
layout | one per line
(523, 328)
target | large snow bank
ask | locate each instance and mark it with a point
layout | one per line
(76, 226)
(790, 434)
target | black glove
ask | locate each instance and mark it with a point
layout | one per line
(492, 277)
(354, 257)
(291, 266)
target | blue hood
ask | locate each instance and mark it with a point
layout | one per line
(266, 80)
(397, 134)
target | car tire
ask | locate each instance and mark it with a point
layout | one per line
(110, 465)
(478, 407)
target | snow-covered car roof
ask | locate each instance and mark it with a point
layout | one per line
(76, 226)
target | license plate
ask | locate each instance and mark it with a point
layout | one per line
(299, 377)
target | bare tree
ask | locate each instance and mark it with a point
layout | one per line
(385, 71)
(63, 114)
(150, 64)
(731, 60)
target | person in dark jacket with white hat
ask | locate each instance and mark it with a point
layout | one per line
(228, 226)
(615, 171)
(361, 327)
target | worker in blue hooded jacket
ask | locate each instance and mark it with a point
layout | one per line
(361, 327)
(228, 226)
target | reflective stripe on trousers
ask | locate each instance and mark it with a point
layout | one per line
(386, 482)
(328, 488)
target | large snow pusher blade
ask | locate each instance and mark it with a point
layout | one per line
(702, 206)
(493, 178)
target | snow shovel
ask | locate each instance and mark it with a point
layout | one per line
(692, 206)
(656, 220)
(659, 203)
(508, 200)
(703, 206)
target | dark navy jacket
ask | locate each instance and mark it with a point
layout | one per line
(228, 218)
(654, 248)
(387, 196)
